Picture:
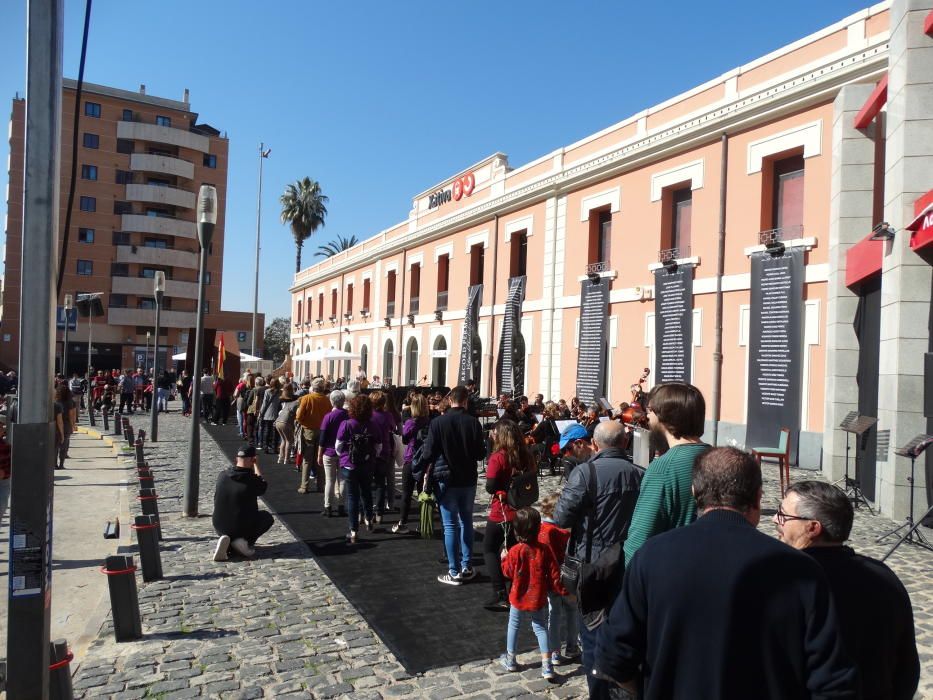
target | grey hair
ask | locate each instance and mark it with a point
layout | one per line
(609, 434)
(337, 398)
(317, 385)
(260, 381)
(828, 505)
(353, 386)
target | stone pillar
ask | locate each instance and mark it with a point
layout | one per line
(851, 193)
(905, 291)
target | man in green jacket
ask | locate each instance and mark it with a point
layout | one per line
(676, 413)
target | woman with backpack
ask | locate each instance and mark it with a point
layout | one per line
(285, 423)
(414, 433)
(358, 446)
(253, 402)
(510, 457)
(268, 412)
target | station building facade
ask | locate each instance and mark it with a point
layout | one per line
(671, 241)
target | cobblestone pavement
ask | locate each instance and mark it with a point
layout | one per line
(278, 627)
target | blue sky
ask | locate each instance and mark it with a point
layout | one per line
(378, 101)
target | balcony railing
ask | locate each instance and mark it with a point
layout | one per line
(442, 301)
(784, 233)
(597, 267)
(390, 309)
(414, 305)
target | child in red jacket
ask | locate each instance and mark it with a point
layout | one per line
(561, 605)
(534, 572)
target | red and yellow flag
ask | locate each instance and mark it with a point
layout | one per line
(221, 356)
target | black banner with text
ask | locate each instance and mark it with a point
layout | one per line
(471, 351)
(673, 324)
(510, 367)
(591, 350)
(775, 348)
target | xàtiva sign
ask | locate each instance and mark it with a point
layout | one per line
(461, 187)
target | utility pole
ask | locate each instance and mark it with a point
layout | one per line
(69, 305)
(263, 154)
(207, 217)
(33, 435)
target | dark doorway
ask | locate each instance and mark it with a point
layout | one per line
(868, 331)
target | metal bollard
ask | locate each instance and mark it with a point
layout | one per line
(141, 435)
(106, 416)
(118, 423)
(90, 413)
(149, 501)
(146, 479)
(124, 599)
(59, 672)
(140, 459)
(146, 527)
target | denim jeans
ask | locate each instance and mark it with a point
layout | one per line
(599, 689)
(560, 607)
(162, 404)
(457, 516)
(538, 626)
(358, 488)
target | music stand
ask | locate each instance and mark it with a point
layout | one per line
(912, 449)
(855, 424)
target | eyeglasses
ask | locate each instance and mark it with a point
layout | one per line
(783, 517)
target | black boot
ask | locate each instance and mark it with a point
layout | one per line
(498, 603)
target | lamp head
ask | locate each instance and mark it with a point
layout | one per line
(69, 302)
(207, 205)
(882, 232)
(159, 282)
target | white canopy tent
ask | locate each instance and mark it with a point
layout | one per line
(244, 357)
(325, 355)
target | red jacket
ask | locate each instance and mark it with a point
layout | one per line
(534, 572)
(555, 540)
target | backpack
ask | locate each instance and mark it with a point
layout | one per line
(419, 456)
(523, 489)
(361, 448)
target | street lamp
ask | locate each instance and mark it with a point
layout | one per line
(69, 305)
(263, 154)
(158, 292)
(207, 218)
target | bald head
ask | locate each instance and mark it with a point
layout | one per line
(609, 434)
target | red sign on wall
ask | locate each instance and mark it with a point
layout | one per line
(460, 188)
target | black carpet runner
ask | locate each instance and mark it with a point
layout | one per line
(391, 579)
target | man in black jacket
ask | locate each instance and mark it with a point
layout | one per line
(718, 609)
(616, 490)
(237, 518)
(454, 445)
(875, 616)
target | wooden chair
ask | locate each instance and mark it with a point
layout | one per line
(781, 453)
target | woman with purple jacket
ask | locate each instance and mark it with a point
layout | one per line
(357, 478)
(420, 417)
(327, 458)
(384, 426)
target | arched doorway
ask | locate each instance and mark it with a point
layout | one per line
(411, 362)
(439, 362)
(364, 359)
(346, 363)
(388, 354)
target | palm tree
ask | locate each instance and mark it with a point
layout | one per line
(334, 247)
(303, 209)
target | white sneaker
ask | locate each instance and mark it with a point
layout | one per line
(220, 551)
(242, 547)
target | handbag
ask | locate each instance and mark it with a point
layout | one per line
(523, 489)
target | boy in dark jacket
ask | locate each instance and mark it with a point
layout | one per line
(237, 518)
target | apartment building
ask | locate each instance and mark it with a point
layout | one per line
(141, 160)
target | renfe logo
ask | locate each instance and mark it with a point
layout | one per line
(461, 187)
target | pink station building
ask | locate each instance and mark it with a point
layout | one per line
(762, 236)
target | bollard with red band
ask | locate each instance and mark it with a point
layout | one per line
(149, 502)
(60, 658)
(146, 529)
(124, 598)
(146, 479)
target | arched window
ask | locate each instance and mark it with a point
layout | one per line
(346, 363)
(411, 362)
(364, 359)
(388, 354)
(439, 362)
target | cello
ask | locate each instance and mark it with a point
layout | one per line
(635, 414)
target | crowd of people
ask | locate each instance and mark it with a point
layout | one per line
(658, 578)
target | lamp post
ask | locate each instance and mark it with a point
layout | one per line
(158, 292)
(69, 305)
(207, 217)
(263, 154)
